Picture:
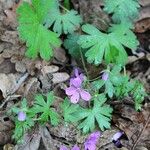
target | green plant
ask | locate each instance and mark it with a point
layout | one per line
(122, 10)
(45, 110)
(41, 112)
(32, 30)
(41, 23)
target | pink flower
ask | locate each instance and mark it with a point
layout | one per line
(90, 143)
(116, 139)
(65, 148)
(75, 91)
(21, 116)
(105, 76)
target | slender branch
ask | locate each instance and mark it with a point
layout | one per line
(136, 142)
(64, 8)
(83, 63)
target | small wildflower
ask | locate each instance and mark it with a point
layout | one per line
(90, 143)
(63, 148)
(105, 76)
(117, 136)
(75, 148)
(21, 116)
(116, 139)
(75, 90)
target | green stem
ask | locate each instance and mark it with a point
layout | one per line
(64, 8)
(124, 70)
(83, 63)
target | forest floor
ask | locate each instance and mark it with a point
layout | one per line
(21, 77)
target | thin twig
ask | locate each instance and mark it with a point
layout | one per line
(140, 134)
(83, 63)
(9, 98)
(19, 82)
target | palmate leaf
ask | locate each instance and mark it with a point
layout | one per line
(21, 128)
(110, 46)
(31, 30)
(138, 93)
(44, 109)
(123, 10)
(100, 114)
(63, 22)
(69, 111)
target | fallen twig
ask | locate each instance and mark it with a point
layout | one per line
(9, 98)
(140, 134)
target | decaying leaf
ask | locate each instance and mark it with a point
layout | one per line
(7, 83)
(49, 69)
(6, 126)
(30, 141)
(47, 139)
(60, 77)
(136, 126)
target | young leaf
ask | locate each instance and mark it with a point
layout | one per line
(69, 111)
(44, 109)
(72, 45)
(110, 46)
(123, 10)
(31, 30)
(138, 93)
(100, 113)
(21, 128)
(63, 23)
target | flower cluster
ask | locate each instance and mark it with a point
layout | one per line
(75, 91)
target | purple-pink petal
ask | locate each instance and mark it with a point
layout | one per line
(90, 143)
(76, 82)
(75, 98)
(76, 72)
(70, 91)
(63, 148)
(85, 95)
(75, 148)
(90, 146)
(117, 135)
(105, 76)
(21, 116)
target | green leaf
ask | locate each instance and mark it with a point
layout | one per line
(123, 10)
(110, 46)
(138, 93)
(32, 31)
(63, 22)
(21, 128)
(72, 45)
(100, 113)
(69, 111)
(45, 110)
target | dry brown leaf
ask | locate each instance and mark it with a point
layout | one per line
(133, 124)
(60, 77)
(6, 126)
(47, 139)
(144, 2)
(49, 69)
(30, 141)
(60, 55)
(7, 83)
